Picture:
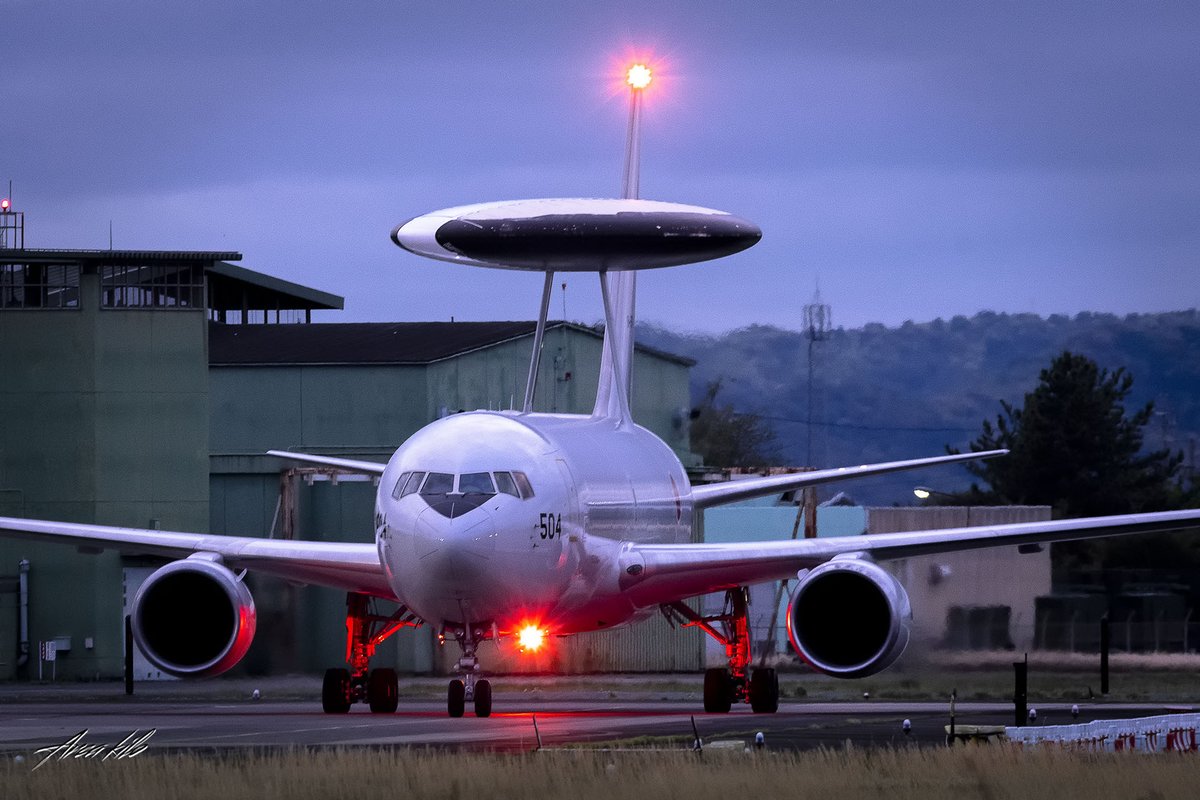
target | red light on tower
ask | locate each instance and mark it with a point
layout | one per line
(5, 205)
(638, 76)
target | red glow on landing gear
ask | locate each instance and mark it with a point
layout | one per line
(531, 638)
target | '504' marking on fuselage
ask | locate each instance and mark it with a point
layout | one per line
(549, 525)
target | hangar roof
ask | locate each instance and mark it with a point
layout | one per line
(372, 342)
(119, 257)
(232, 287)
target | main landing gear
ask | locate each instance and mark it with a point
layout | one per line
(725, 686)
(468, 687)
(364, 632)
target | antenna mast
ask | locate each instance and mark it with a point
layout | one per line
(619, 288)
(818, 317)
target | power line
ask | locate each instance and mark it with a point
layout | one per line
(849, 426)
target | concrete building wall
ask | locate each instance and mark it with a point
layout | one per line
(260, 408)
(104, 419)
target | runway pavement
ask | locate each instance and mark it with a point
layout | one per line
(221, 715)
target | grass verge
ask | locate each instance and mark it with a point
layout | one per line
(993, 772)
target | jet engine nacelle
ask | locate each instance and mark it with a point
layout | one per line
(849, 618)
(193, 618)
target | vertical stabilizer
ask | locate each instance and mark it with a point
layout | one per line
(614, 392)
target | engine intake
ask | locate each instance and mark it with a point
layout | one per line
(193, 618)
(849, 618)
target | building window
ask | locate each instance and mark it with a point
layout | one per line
(52, 286)
(170, 286)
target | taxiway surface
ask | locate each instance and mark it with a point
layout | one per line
(38, 717)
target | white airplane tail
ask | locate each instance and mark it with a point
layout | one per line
(614, 391)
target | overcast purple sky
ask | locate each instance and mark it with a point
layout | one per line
(920, 159)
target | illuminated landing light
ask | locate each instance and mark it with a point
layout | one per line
(531, 638)
(638, 76)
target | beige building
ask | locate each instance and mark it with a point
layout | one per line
(978, 599)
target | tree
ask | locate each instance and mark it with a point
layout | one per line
(729, 438)
(1074, 448)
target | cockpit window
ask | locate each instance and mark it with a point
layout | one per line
(523, 485)
(413, 483)
(438, 483)
(404, 476)
(505, 485)
(455, 495)
(476, 483)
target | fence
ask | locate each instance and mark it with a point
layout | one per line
(1174, 733)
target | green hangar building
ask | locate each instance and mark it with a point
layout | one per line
(142, 389)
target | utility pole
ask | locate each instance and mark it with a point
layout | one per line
(817, 319)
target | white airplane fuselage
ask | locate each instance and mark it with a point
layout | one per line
(501, 560)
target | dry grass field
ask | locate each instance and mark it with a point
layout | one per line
(986, 772)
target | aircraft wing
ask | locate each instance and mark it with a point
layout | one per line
(352, 566)
(347, 464)
(664, 573)
(715, 494)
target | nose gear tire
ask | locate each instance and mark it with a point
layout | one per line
(456, 698)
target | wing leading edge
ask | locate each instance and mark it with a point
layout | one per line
(664, 573)
(715, 494)
(347, 464)
(352, 566)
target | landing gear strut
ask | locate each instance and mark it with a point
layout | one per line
(725, 686)
(469, 687)
(364, 632)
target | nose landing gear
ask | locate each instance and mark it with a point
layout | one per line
(469, 687)
(364, 632)
(725, 686)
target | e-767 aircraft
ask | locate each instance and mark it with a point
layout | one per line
(514, 523)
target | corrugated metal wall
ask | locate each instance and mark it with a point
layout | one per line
(944, 587)
(648, 646)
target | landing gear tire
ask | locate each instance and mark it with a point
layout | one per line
(483, 698)
(718, 693)
(456, 698)
(382, 691)
(335, 691)
(764, 691)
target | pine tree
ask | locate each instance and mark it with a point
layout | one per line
(1074, 447)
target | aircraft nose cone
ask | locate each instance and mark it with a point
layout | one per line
(471, 536)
